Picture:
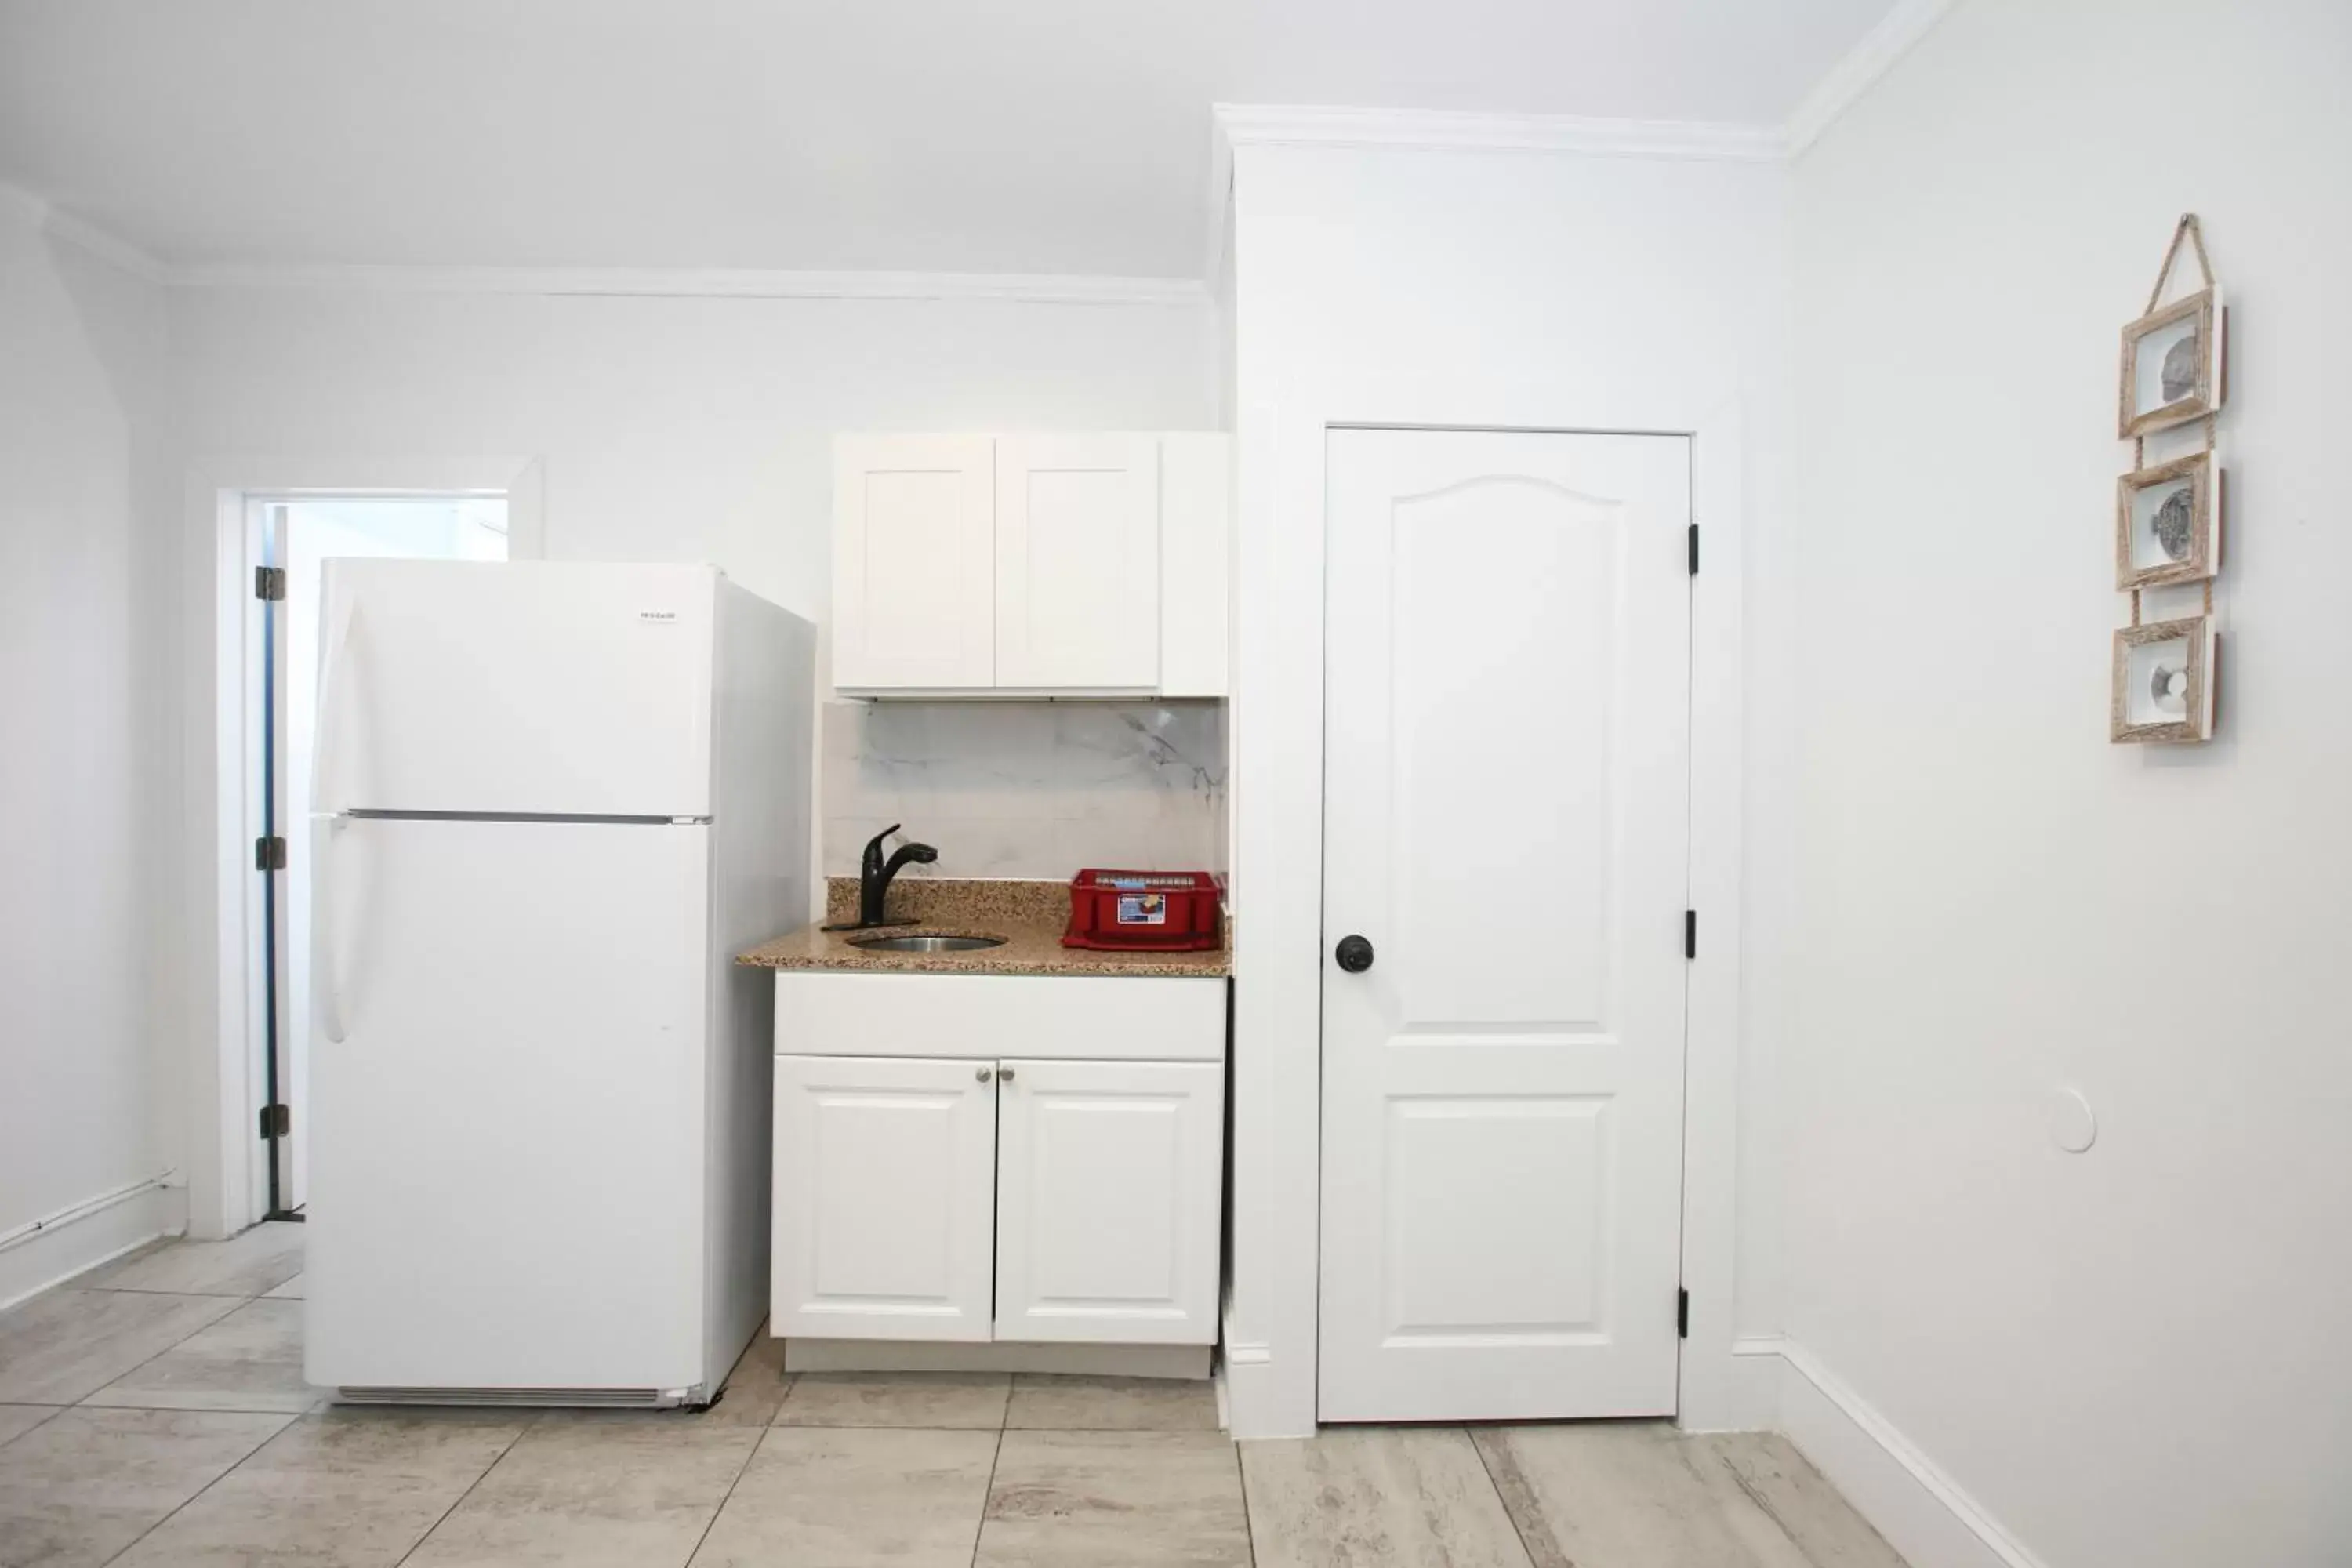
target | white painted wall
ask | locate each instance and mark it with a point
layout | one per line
(672, 428)
(1513, 289)
(2133, 1355)
(83, 811)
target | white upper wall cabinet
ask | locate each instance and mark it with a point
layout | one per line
(913, 531)
(1078, 560)
(1012, 565)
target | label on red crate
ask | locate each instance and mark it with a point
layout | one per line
(1143, 908)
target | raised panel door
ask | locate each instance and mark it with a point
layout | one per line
(885, 1173)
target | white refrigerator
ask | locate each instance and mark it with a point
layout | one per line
(552, 801)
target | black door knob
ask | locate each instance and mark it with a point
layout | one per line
(1354, 953)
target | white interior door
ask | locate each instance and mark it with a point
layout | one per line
(1078, 560)
(885, 1184)
(507, 1076)
(1507, 776)
(1106, 1201)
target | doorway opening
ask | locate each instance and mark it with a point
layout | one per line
(296, 536)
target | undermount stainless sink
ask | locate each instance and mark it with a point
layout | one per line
(924, 943)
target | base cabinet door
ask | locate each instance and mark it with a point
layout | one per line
(884, 1173)
(1108, 1184)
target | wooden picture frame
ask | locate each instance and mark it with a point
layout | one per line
(2169, 522)
(2161, 385)
(2163, 685)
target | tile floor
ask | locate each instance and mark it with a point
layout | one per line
(154, 1412)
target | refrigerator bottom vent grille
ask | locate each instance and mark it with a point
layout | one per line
(619, 1398)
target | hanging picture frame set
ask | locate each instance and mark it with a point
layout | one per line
(2173, 378)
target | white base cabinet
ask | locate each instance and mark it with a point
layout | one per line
(1048, 1197)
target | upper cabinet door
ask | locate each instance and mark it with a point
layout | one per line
(1107, 1189)
(1078, 561)
(914, 554)
(884, 1172)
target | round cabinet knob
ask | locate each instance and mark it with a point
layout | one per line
(980, 1076)
(1004, 1075)
(1354, 953)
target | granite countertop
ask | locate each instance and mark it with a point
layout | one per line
(1030, 916)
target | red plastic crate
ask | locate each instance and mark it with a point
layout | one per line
(1145, 911)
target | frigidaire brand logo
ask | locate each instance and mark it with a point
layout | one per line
(656, 614)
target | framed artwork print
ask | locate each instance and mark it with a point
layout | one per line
(2172, 360)
(2169, 522)
(2163, 681)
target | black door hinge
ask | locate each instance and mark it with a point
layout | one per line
(1690, 933)
(1682, 1314)
(1694, 550)
(277, 1121)
(270, 854)
(269, 581)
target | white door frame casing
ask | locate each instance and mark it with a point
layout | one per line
(1277, 737)
(222, 912)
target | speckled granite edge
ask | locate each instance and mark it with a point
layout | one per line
(1030, 916)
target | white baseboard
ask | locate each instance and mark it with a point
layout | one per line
(1736, 1392)
(1189, 1363)
(1256, 1404)
(76, 1240)
(1922, 1512)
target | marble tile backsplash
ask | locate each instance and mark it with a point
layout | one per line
(1027, 789)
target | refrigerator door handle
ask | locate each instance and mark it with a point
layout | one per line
(322, 930)
(326, 739)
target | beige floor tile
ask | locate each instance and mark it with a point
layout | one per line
(588, 1491)
(1377, 1498)
(86, 1483)
(1108, 1499)
(63, 1346)
(250, 1360)
(1796, 1499)
(971, 1400)
(290, 1291)
(344, 1489)
(856, 1499)
(755, 1389)
(1624, 1495)
(246, 1264)
(15, 1420)
(1112, 1404)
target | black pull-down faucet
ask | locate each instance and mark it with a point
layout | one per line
(873, 876)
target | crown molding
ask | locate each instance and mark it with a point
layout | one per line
(1244, 125)
(113, 249)
(723, 283)
(1858, 71)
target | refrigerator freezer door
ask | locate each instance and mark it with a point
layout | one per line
(508, 1091)
(528, 688)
